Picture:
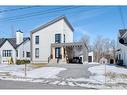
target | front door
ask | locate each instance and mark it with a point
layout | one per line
(57, 52)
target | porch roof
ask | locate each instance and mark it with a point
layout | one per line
(73, 44)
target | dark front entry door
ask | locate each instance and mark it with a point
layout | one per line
(89, 58)
(57, 52)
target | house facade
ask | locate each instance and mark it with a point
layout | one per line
(14, 48)
(53, 41)
(122, 46)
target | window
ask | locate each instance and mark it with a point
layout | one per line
(119, 56)
(64, 38)
(57, 38)
(57, 52)
(36, 52)
(7, 53)
(36, 39)
(23, 53)
(17, 53)
(27, 54)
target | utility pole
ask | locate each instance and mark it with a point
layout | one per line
(25, 70)
(105, 73)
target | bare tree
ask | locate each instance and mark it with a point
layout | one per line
(97, 47)
(86, 40)
(101, 48)
(113, 47)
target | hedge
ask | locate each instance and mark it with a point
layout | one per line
(20, 62)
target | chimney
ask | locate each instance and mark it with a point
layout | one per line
(19, 37)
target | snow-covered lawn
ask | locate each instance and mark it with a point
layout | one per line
(112, 76)
(109, 73)
(43, 72)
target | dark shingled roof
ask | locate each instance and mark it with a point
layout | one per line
(52, 22)
(12, 41)
(122, 32)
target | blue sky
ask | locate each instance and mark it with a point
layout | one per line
(91, 20)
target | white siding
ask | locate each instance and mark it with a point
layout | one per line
(123, 52)
(7, 46)
(46, 37)
(68, 33)
(24, 47)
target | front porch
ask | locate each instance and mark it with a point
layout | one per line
(64, 52)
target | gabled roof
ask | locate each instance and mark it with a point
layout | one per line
(12, 41)
(52, 22)
(122, 32)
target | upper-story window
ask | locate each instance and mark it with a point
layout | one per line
(57, 38)
(64, 38)
(36, 39)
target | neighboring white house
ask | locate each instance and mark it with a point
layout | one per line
(15, 48)
(122, 46)
(90, 56)
(103, 60)
(53, 41)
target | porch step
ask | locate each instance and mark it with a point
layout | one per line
(54, 61)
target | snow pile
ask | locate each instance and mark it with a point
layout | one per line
(93, 63)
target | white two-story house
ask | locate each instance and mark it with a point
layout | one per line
(122, 46)
(17, 48)
(54, 40)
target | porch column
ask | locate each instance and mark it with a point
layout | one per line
(53, 52)
(62, 52)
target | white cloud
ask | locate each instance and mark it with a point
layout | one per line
(81, 30)
(90, 14)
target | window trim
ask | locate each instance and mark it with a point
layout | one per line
(28, 54)
(58, 40)
(36, 52)
(6, 53)
(37, 39)
(64, 38)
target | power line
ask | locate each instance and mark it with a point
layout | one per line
(59, 9)
(16, 9)
(38, 13)
(121, 16)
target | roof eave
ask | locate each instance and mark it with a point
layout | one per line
(52, 22)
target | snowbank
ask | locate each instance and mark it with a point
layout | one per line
(109, 68)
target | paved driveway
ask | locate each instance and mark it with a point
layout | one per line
(74, 70)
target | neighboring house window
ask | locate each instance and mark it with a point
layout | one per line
(27, 54)
(64, 38)
(119, 56)
(36, 39)
(7, 53)
(57, 38)
(57, 52)
(36, 52)
(17, 53)
(23, 53)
